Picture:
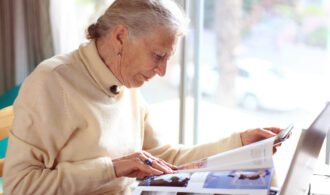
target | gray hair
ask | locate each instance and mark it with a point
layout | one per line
(140, 17)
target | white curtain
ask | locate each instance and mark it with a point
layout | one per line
(70, 20)
(64, 25)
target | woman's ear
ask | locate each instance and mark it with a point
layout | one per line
(119, 35)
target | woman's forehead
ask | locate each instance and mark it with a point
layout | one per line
(164, 40)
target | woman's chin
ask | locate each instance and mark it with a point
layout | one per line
(136, 84)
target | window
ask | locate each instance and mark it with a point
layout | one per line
(263, 63)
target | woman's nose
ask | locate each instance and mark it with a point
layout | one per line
(161, 69)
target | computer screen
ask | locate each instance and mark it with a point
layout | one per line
(306, 155)
(327, 154)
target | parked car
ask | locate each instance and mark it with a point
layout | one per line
(259, 85)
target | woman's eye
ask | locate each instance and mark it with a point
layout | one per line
(158, 57)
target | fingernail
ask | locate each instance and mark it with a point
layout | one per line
(169, 171)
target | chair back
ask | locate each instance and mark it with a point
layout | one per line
(6, 121)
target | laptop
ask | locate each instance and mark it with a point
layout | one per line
(306, 155)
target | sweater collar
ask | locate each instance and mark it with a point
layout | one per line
(98, 70)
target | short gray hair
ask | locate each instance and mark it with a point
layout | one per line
(140, 17)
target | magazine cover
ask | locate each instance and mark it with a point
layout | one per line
(248, 182)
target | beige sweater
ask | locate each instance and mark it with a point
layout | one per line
(68, 126)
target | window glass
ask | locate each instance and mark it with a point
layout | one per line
(264, 63)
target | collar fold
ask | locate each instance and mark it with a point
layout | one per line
(99, 71)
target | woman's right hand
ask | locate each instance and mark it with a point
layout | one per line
(136, 165)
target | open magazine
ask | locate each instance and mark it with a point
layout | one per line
(246, 170)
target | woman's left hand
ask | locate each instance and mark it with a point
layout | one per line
(254, 135)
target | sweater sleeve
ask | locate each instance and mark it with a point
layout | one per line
(42, 126)
(180, 154)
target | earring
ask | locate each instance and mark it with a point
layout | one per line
(119, 53)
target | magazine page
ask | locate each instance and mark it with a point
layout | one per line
(253, 156)
(244, 182)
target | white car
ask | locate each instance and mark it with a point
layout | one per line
(260, 86)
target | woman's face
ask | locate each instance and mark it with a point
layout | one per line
(144, 57)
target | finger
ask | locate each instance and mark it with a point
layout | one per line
(275, 130)
(274, 150)
(170, 167)
(149, 170)
(141, 175)
(151, 161)
(160, 164)
(139, 154)
(277, 144)
(266, 133)
(128, 157)
(174, 167)
(138, 174)
(164, 163)
(161, 161)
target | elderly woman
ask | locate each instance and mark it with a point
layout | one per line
(82, 127)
